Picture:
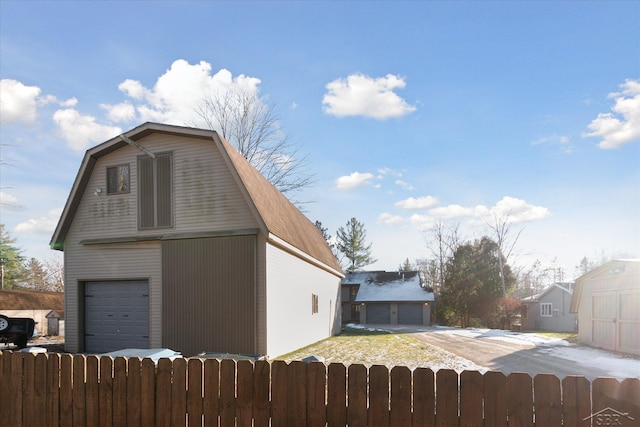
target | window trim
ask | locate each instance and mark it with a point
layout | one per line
(546, 309)
(128, 179)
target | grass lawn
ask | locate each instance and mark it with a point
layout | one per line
(374, 347)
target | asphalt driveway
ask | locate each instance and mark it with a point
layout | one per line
(507, 356)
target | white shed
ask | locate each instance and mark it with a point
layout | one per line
(607, 300)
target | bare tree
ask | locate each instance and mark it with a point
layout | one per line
(251, 125)
(443, 242)
(501, 229)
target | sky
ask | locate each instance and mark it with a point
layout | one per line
(410, 113)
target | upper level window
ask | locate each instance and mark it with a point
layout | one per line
(155, 191)
(118, 179)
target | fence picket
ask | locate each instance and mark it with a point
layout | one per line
(520, 400)
(227, 393)
(296, 394)
(105, 391)
(424, 398)
(446, 398)
(279, 393)
(179, 392)
(316, 385)
(120, 391)
(576, 401)
(15, 393)
(66, 390)
(630, 392)
(244, 385)
(261, 390)
(28, 390)
(134, 408)
(148, 393)
(211, 403)
(53, 390)
(194, 392)
(163, 393)
(495, 399)
(92, 395)
(547, 400)
(40, 390)
(378, 396)
(400, 396)
(471, 387)
(336, 395)
(357, 396)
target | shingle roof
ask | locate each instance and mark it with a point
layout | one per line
(30, 300)
(280, 216)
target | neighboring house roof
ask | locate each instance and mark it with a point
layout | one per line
(383, 286)
(31, 300)
(564, 287)
(612, 271)
(283, 223)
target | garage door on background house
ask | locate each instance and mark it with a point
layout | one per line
(378, 314)
(116, 315)
(410, 314)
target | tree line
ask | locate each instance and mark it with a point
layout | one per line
(19, 272)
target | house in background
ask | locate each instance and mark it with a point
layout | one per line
(37, 306)
(549, 310)
(172, 239)
(607, 302)
(389, 298)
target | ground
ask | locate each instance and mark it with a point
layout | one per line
(470, 349)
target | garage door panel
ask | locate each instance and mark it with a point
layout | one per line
(410, 314)
(379, 314)
(116, 315)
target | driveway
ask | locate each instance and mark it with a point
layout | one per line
(509, 352)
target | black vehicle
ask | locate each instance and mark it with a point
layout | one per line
(16, 330)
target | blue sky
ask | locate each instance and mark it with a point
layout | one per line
(411, 113)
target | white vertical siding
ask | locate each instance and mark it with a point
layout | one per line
(291, 282)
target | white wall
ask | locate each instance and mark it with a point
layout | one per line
(291, 282)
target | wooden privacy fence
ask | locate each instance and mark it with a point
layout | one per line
(66, 390)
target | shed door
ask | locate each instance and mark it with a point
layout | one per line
(116, 315)
(603, 318)
(378, 314)
(410, 314)
(629, 322)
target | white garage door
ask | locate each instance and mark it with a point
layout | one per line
(116, 315)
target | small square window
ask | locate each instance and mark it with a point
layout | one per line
(118, 179)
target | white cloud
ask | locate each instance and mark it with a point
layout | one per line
(18, 102)
(80, 131)
(387, 218)
(623, 125)
(42, 225)
(422, 222)
(177, 93)
(7, 199)
(122, 112)
(517, 210)
(417, 203)
(361, 95)
(404, 185)
(354, 180)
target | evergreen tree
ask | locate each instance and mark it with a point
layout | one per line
(406, 266)
(473, 284)
(10, 260)
(352, 243)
